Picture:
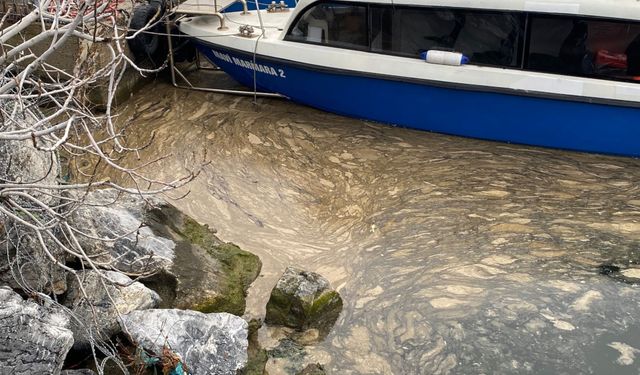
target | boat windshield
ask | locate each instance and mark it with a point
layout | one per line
(333, 24)
(567, 45)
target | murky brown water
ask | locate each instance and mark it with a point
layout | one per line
(452, 255)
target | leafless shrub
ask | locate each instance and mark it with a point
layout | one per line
(45, 112)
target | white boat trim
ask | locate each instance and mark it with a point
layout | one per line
(619, 9)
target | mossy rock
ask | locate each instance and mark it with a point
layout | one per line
(303, 300)
(257, 356)
(313, 369)
(210, 275)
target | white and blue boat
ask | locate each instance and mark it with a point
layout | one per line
(561, 73)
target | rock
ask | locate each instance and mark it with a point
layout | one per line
(26, 265)
(33, 339)
(303, 300)
(125, 293)
(22, 162)
(289, 352)
(257, 356)
(210, 275)
(312, 369)
(195, 270)
(134, 247)
(213, 343)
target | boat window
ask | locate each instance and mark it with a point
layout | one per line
(584, 47)
(333, 24)
(485, 37)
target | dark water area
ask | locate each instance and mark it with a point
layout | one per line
(453, 255)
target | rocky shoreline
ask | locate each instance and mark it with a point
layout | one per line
(199, 283)
(149, 290)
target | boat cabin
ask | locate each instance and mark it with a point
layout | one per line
(563, 41)
(554, 73)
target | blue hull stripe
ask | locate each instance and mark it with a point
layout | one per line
(251, 5)
(487, 115)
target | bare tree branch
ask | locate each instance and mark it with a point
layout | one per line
(44, 115)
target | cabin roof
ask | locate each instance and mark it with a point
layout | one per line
(620, 9)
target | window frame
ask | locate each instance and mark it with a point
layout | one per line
(304, 11)
(531, 15)
(521, 37)
(524, 39)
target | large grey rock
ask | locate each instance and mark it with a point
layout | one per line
(209, 275)
(131, 246)
(98, 310)
(197, 270)
(207, 344)
(33, 339)
(303, 300)
(23, 262)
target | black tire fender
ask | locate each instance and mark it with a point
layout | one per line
(148, 46)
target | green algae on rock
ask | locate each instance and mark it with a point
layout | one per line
(212, 276)
(303, 300)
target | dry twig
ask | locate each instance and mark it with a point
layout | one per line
(45, 107)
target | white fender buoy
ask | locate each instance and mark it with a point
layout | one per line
(444, 57)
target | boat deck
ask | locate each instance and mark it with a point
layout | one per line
(204, 14)
(202, 7)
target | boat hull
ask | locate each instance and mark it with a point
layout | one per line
(523, 119)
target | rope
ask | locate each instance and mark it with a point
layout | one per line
(255, 52)
(255, 83)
